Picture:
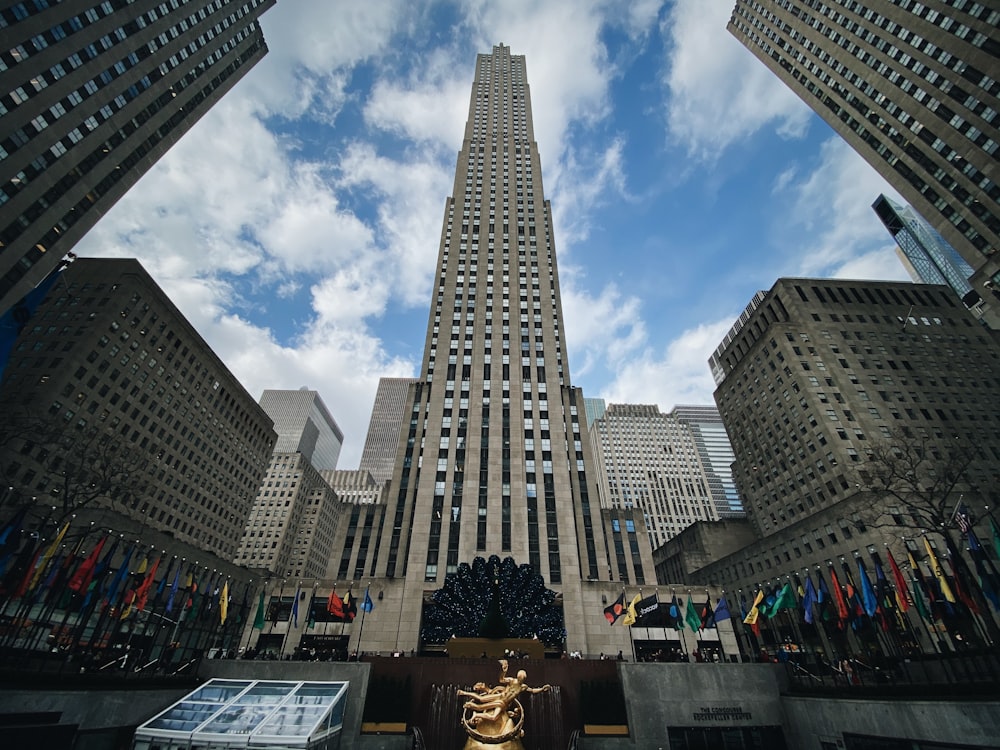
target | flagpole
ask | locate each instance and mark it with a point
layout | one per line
(718, 633)
(364, 611)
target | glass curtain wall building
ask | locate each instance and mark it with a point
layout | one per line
(95, 93)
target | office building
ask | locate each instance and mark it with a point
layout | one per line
(828, 385)
(494, 457)
(304, 425)
(716, 454)
(930, 260)
(290, 530)
(913, 88)
(384, 428)
(649, 461)
(95, 93)
(594, 408)
(113, 401)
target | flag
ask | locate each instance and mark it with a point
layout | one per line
(938, 571)
(335, 605)
(119, 577)
(611, 613)
(173, 589)
(648, 612)
(675, 615)
(784, 600)
(838, 598)
(808, 599)
(691, 616)
(769, 599)
(962, 518)
(630, 613)
(350, 607)
(295, 607)
(902, 590)
(43, 561)
(224, 603)
(996, 535)
(823, 597)
(868, 599)
(987, 573)
(93, 586)
(367, 605)
(722, 610)
(754, 613)
(707, 614)
(962, 590)
(936, 606)
(258, 620)
(142, 593)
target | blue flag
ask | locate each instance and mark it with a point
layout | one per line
(722, 610)
(367, 605)
(808, 600)
(868, 599)
(295, 607)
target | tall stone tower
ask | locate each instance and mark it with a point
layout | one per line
(494, 457)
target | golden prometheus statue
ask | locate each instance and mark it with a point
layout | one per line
(493, 716)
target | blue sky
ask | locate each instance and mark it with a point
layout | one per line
(297, 224)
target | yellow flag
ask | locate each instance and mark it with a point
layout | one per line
(751, 618)
(46, 556)
(630, 613)
(939, 572)
(224, 603)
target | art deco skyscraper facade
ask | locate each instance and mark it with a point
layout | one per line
(494, 456)
(650, 462)
(94, 94)
(913, 88)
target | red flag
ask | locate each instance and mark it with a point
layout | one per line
(142, 593)
(902, 590)
(838, 598)
(81, 577)
(335, 605)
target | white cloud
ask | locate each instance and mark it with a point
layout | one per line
(677, 375)
(602, 330)
(718, 91)
(313, 46)
(836, 232)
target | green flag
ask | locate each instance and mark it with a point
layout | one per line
(691, 616)
(258, 621)
(785, 600)
(918, 602)
(996, 535)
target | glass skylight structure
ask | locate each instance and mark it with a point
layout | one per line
(251, 714)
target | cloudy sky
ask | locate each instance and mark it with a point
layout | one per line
(297, 224)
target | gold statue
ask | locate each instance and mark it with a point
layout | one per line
(494, 717)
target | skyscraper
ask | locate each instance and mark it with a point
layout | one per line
(650, 462)
(95, 94)
(495, 458)
(913, 88)
(716, 454)
(290, 529)
(384, 427)
(929, 259)
(304, 425)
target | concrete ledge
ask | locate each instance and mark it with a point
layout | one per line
(383, 727)
(617, 730)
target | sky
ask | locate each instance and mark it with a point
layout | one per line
(297, 224)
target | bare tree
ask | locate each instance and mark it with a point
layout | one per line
(915, 482)
(75, 467)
